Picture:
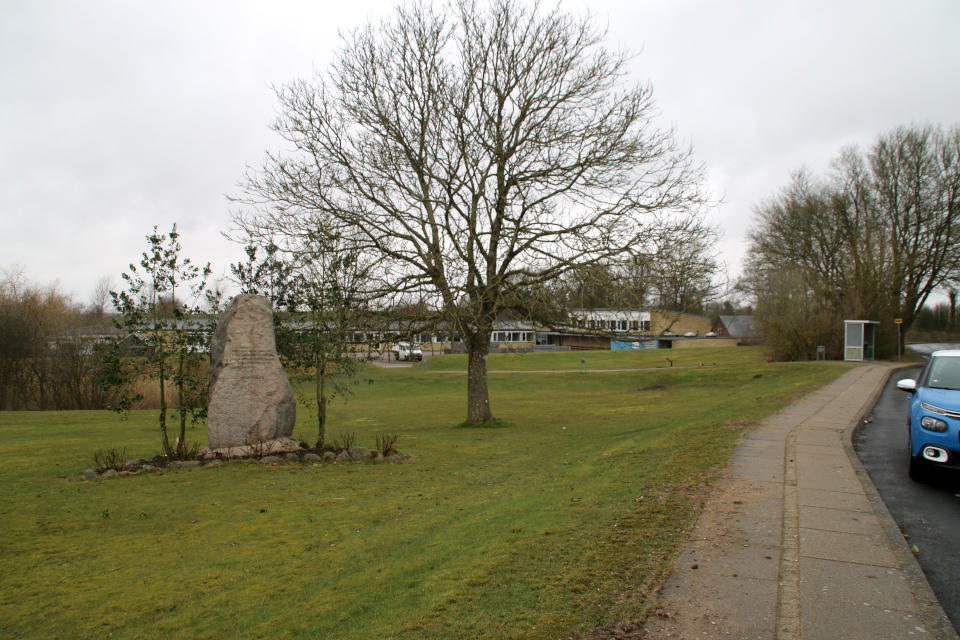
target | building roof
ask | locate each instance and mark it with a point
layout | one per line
(740, 326)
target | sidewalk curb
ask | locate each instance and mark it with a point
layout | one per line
(931, 613)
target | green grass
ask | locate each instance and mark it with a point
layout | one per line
(531, 530)
(601, 360)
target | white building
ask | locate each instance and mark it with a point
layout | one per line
(620, 320)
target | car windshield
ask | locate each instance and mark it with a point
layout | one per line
(944, 374)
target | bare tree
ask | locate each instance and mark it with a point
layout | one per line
(681, 274)
(684, 273)
(796, 318)
(878, 235)
(477, 150)
(101, 295)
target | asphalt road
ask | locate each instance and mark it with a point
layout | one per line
(927, 348)
(928, 513)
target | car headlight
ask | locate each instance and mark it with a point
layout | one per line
(926, 406)
(932, 424)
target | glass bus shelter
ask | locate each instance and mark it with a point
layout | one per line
(859, 339)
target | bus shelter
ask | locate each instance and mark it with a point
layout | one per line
(859, 339)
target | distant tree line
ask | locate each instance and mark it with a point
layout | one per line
(51, 352)
(938, 317)
(873, 239)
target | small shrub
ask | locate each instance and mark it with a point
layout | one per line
(258, 446)
(385, 444)
(346, 440)
(109, 459)
(183, 451)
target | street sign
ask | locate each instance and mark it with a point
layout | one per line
(898, 320)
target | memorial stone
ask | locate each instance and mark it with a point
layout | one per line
(252, 410)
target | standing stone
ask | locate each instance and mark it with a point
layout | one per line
(252, 409)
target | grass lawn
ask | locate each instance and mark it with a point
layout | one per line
(602, 360)
(533, 530)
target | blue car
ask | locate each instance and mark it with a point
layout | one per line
(934, 415)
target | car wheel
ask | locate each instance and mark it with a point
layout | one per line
(919, 470)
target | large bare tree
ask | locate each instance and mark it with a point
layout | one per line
(479, 150)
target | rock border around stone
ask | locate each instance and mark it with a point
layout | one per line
(356, 455)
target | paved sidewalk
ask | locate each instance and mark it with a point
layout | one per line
(795, 541)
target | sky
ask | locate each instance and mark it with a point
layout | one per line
(116, 116)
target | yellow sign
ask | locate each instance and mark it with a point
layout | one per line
(898, 320)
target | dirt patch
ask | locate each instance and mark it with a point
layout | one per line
(699, 489)
(656, 387)
(620, 629)
(740, 424)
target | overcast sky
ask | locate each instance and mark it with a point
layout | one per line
(118, 116)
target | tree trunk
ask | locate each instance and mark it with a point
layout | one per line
(478, 397)
(163, 408)
(321, 407)
(953, 310)
(181, 395)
